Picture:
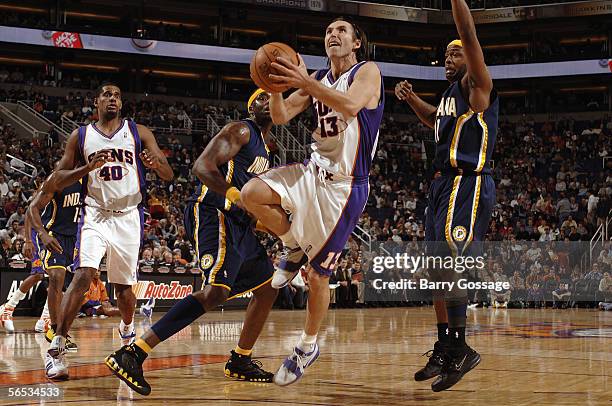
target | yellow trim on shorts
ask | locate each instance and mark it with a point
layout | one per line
(474, 210)
(56, 267)
(250, 290)
(53, 214)
(221, 251)
(449, 215)
(228, 179)
(196, 216)
(482, 157)
(456, 134)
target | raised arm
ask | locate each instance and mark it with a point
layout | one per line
(221, 149)
(364, 92)
(424, 111)
(478, 80)
(152, 157)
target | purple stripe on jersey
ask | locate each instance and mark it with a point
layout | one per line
(102, 132)
(344, 227)
(77, 259)
(142, 181)
(369, 124)
(355, 68)
(320, 74)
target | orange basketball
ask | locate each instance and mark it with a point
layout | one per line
(263, 58)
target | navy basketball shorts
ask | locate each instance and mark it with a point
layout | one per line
(459, 211)
(44, 259)
(229, 253)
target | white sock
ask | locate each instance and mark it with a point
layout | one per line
(126, 328)
(45, 312)
(58, 343)
(288, 240)
(16, 298)
(307, 342)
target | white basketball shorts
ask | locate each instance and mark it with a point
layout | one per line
(114, 234)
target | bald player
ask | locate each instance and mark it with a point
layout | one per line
(230, 256)
(462, 194)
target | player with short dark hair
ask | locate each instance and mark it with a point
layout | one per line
(462, 195)
(112, 219)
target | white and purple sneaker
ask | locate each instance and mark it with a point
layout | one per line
(291, 261)
(293, 367)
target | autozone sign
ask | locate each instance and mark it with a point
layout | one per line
(166, 291)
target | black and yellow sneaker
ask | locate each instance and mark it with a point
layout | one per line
(70, 345)
(434, 364)
(244, 368)
(455, 366)
(126, 364)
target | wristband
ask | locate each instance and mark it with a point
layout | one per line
(232, 194)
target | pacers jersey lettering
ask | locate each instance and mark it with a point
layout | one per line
(345, 145)
(61, 214)
(120, 183)
(252, 159)
(464, 139)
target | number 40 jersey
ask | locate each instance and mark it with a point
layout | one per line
(119, 185)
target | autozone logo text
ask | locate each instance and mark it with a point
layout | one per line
(150, 289)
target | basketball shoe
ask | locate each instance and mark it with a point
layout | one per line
(455, 366)
(6, 318)
(126, 364)
(70, 345)
(244, 368)
(291, 260)
(55, 364)
(434, 364)
(293, 367)
(146, 309)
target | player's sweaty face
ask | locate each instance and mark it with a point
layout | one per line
(109, 100)
(340, 39)
(262, 105)
(454, 63)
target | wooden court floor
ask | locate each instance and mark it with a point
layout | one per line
(368, 357)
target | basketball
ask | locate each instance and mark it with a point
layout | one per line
(263, 58)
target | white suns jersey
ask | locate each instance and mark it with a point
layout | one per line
(119, 185)
(345, 146)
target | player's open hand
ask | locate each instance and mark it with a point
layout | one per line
(288, 74)
(403, 90)
(99, 159)
(150, 160)
(28, 250)
(51, 243)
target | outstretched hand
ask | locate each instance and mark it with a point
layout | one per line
(403, 90)
(289, 74)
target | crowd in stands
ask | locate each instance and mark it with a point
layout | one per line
(155, 111)
(552, 186)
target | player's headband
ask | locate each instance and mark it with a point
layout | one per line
(253, 97)
(455, 42)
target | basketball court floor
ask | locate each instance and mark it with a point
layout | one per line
(368, 357)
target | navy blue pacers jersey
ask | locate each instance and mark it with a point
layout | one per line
(252, 159)
(464, 139)
(61, 214)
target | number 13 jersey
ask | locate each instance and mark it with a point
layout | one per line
(345, 145)
(119, 185)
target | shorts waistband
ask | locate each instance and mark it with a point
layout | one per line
(109, 210)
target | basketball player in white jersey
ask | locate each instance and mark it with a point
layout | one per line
(328, 194)
(111, 221)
